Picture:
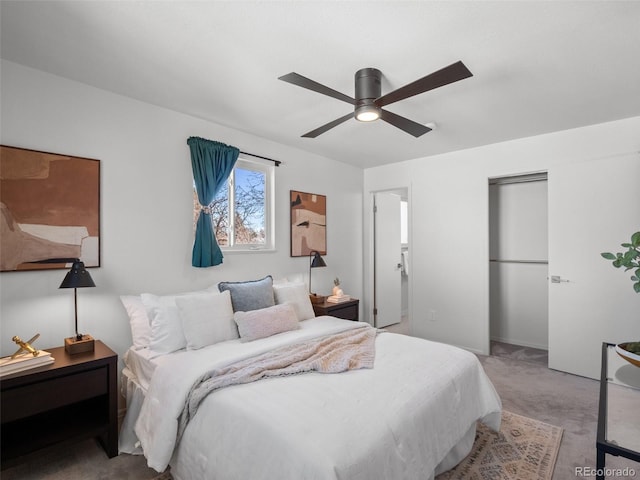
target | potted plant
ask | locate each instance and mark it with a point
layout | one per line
(630, 260)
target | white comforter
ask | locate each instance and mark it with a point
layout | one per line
(395, 421)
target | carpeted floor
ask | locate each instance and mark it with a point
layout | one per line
(517, 352)
(527, 388)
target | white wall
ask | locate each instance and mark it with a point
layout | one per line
(449, 216)
(146, 207)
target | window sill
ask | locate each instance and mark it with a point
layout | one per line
(234, 251)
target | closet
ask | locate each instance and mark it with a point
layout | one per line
(518, 260)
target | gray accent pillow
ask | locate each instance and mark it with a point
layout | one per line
(251, 295)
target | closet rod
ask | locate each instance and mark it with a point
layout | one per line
(541, 262)
(277, 162)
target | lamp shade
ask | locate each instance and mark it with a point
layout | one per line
(317, 260)
(77, 277)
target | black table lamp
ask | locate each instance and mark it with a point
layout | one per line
(78, 277)
(315, 260)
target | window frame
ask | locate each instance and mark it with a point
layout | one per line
(269, 224)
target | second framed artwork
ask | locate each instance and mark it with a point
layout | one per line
(308, 223)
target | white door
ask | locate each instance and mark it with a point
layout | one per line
(593, 208)
(387, 260)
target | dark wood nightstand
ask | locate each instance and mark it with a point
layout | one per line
(73, 398)
(348, 310)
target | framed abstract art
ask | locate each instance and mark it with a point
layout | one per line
(50, 210)
(308, 223)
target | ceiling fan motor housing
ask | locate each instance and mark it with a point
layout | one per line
(367, 89)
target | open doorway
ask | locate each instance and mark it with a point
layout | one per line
(391, 260)
(518, 267)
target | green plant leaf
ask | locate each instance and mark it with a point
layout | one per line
(630, 259)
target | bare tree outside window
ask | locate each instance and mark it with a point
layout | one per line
(249, 207)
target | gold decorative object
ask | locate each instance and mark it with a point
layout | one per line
(337, 291)
(25, 346)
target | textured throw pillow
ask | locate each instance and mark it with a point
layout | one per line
(206, 319)
(263, 323)
(296, 294)
(138, 320)
(251, 295)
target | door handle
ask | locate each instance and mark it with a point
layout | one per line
(557, 279)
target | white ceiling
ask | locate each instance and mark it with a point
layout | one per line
(538, 66)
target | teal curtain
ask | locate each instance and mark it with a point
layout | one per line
(212, 163)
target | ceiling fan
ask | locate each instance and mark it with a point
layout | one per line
(369, 101)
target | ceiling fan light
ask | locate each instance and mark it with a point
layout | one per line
(367, 113)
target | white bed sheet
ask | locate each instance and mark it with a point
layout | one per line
(141, 364)
(398, 420)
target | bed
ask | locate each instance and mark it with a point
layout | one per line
(411, 416)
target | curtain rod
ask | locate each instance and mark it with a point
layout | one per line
(277, 162)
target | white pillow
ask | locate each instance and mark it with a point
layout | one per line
(265, 322)
(166, 326)
(206, 319)
(138, 320)
(297, 295)
(165, 322)
(299, 278)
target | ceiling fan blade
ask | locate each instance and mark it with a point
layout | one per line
(309, 84)
(328, 126)
(453, 73)
(409, 126)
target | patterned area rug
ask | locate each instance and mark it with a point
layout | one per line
(164, 476)
(524, 449)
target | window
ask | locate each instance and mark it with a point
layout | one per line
(242, 210)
